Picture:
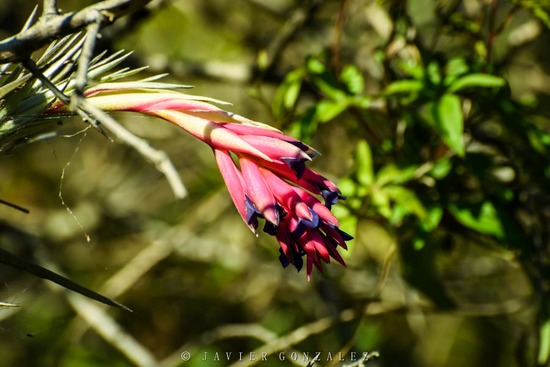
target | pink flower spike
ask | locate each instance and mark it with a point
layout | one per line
(318, 207)
(241, 129)
(275, 148)
(335, 254)
(340, 237)
(258, 190)
(149, 102)
(315, 238)
(268, 180)
(235, 184)
(285, 195)
(211, 133)
(311, 258)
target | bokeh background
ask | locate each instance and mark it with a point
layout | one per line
(429, 280)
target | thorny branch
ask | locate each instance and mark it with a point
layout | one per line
(96, 17)
(52, 25)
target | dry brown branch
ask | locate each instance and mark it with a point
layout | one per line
(52, 26)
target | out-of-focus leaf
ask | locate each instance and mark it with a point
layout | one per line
(365, 174)
(454, 69)
(404, 86)
(544, 348)
(328, 110)
(315, 66)
(434, 73)
(390, 173)
(348, 186)
(432, 218)
(412, 68)
(381, 201)
(476, 80)
(447, 115)
(441, 168)
(287, 93)
(324, 80)
(305, 126)
(352, 79)
(406, 199)
(483, 219)
(328, 87)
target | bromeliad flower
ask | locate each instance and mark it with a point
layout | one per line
(264, 170)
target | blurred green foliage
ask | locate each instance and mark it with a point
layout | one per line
(433, 117)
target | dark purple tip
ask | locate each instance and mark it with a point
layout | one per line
(298, 165)
(298, 263)
(313, 223)
(299, 230)
(303, 147)
(283, 259)
(296, 259)
(270, 228)
(331, 197)
(252, 213)
(345, 236)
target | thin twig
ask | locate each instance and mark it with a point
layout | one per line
(81, 78)
(49, 8)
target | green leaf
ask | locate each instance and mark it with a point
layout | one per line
(404, 86)
(441, 168)
(288, 92)
(325, 80)
(544, 348)
(315, 66)
(476, 80)
(390, 173)
(483, 219)
(432, 218)
(326, 110)
(406, 199)
(447, 116)
(305, 126)
(456, 67)
(434, 73)
(352, 79)
(381, 201)
(365, 174)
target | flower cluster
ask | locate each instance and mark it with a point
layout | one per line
(264, 170)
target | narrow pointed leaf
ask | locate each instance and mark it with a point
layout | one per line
(477, 80)
(14, 261)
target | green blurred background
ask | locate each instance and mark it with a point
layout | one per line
(429, 280)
